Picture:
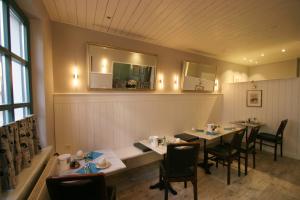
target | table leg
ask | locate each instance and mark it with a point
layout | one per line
(160, 185)
(247, 129)
(205, 165)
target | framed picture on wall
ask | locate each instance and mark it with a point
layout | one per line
(254, 98)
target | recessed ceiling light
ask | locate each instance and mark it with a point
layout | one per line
(251, 60)
(244, 58)
(283, 50)
(262, 54)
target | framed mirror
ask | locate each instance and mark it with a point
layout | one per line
(198, 77)
(111, 68)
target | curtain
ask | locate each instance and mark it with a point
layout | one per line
(19, 142)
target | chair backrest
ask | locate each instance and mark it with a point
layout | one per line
(237, 139)
(182, 157)
(87, 186)
(252, 137)
(281, 128)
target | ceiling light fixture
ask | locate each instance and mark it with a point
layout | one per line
(244, 58)
(283, 50)
(251, 60)
(262, 54)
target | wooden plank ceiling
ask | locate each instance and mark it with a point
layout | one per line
(238, 31)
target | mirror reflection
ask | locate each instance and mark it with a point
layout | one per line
(198, 77)
(133, 76)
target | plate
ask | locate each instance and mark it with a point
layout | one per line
(108, 164)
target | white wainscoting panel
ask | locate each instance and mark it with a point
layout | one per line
(110, 120)
(280, 100)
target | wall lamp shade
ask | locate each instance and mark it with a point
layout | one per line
(75, 77)
(176, 82)
(161, 81)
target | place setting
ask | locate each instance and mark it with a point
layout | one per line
(83, 163)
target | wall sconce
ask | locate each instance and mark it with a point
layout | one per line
(104, 65)
(161, 81)
(176, 82)
(75, 77)
(216, 88)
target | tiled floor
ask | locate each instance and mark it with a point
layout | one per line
(270, 180)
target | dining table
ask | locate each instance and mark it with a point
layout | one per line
(88, 164)
(208, 135)
(248, 124)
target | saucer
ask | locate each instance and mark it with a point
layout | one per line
(107, 165)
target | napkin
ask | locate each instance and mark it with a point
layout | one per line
(90, 169)
(94, 154)
(211, 133)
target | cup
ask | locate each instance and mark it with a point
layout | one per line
(210, 127)
(153, 140)
(64, 161)
(79, 154)
(102, 162)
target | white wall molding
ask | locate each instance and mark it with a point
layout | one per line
(108, 120)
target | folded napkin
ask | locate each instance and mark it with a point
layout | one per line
(89, 168)
(93, 155)
(211, 133)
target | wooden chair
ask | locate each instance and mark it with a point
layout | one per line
(180, 165)
(227, 153)
(87, 186)
(275, 139)
(249, 147)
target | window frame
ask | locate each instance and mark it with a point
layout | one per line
(10, 106)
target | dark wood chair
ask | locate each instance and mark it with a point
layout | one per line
(228, 152)
(87, 186)
(274, 139)
(180, 165)
(249, 147)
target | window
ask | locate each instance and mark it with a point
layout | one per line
(15, 83)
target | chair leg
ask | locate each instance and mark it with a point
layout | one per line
(275, 152)
(260, 145)
(253, 155)
(228, 172)
(281, 148)
(185, 184)
(246, 163)
(195, 188)
(239, 165)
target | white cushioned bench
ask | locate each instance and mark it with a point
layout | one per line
(134, 157)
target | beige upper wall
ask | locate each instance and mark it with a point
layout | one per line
(280, 70)
(69, 49)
